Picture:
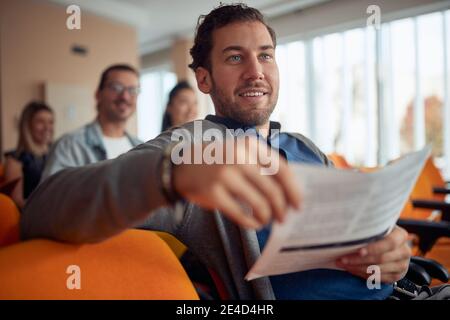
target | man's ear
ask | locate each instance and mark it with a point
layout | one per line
(204, 82)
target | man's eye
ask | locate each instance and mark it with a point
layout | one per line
(266, 56)
(234, 58)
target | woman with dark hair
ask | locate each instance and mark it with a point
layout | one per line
(181, 107)
(27, 161)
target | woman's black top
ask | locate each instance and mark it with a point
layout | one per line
(32, 167)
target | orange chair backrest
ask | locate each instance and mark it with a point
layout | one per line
(422, 191)
(9, 221)
(136, 264)
(409, 212)
(176, 245)
(339, 161)
(434, 174)
(435, 178)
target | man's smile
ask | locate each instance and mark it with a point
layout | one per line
(253, 95)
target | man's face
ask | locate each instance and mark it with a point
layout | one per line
(117, 100)
(243, 81)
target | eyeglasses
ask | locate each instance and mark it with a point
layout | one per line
(119, 89)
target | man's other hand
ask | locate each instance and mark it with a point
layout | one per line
(391, 254)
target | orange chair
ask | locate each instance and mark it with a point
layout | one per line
(421, 190)
(424, 200)
(9, 221)
(339, 161)
(176, 245)
(136, 264)
(428, 240)
(422, 204)
(436, 180)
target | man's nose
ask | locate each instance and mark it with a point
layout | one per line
(254, 70)
(125, 94)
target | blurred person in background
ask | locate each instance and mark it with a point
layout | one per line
(181, 107)
(27, 161)
(105, 137)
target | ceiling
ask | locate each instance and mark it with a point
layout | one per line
(158, 22)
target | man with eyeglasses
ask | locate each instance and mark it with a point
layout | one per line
(104, 138)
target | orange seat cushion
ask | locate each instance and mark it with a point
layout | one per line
(136, 264)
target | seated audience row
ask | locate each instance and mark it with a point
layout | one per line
(35, 158)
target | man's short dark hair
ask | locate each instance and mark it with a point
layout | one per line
(115, 67)
(219, 17)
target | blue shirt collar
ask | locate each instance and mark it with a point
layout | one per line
(234, 125)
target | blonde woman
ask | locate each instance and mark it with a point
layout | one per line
(27, 161)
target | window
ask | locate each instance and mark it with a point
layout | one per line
(371, 95)
(292, 93)
(155, 88)
(400, 85)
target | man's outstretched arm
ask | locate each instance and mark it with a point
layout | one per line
(92, 203)
(95, 202)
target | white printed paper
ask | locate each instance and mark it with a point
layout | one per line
(342, 210)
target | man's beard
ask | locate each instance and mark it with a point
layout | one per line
(246, 116)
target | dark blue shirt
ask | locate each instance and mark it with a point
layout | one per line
(317, 284)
